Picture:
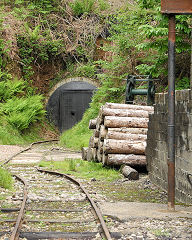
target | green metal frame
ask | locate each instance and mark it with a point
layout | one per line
(131, 91)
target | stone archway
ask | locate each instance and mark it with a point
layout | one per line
(68, 101)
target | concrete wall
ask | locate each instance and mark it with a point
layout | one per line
(157, 149)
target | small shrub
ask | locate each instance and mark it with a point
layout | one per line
(21, 112)
(103, 5)
(87, 70)
(183, 83)
(6, 180)
(11, 88)
(80, 7)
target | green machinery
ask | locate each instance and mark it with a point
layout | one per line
(131, 91)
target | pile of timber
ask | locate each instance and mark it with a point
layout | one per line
(120, 134)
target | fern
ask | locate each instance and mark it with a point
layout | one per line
(9, 88)
(21, 112)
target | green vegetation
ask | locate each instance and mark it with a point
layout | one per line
(83, 169)
(19, 110)
(42, 42)
(139, 35)
(6, 180)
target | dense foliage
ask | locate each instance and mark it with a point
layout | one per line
(140, 46)
(45, 41)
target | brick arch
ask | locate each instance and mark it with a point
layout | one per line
(74, 79)
(68, 100)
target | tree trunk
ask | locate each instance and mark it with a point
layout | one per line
(126, 136)
(124, 112)
(125, 159)
(128, 130)
(130, 173)
(129, 106)
(123, 146)
(117, 122)
(103, 133)
(92, 123)
(84, 153)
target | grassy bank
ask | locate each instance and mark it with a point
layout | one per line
(6, 180)
(83, 169)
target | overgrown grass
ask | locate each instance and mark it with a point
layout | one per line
(10, 135)
(6, 180)
(21, 112)
(83, 169)
(78, 136)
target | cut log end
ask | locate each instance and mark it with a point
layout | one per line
(130, 173)
(84, 153)
(92, 124)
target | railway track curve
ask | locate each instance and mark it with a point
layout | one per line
(61, 209)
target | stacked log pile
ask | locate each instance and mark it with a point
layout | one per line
(120, 134)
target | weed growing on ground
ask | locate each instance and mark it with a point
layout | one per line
(83, 169)
(6, 180)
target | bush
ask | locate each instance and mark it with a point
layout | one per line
(21, 112)
(10, 88)
(80, 7)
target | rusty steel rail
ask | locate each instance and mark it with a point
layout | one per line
(27, 149)
(15, 232)
(96, 209)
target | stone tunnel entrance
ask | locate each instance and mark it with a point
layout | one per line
(68, 103)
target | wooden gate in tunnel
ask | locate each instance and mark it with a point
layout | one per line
(72, 105)
(68, 103)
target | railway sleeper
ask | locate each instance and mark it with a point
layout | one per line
(60, 235)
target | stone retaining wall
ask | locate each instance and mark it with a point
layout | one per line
(157, 148)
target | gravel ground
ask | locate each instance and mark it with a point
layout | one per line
(131, 228)
(7, 151)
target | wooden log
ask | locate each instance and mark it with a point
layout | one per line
(91, 142)
(128, 130)
(84, 153)
(100, 147)
(124, 146)
(126, 136)
(125, 159)
(133, 122)
(91, 154)
(130, 173)
(99, 156)
(104, 159)
(96, 133)
(99, 123)
(129, 106)
(95, 142)
(102, 133)
(92, 124)
(124, 112)
(94, 152)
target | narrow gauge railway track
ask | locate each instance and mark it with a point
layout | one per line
(51, 205)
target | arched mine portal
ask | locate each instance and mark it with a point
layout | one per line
(68, 103)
